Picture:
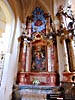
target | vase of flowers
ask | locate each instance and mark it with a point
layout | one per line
(36, 82)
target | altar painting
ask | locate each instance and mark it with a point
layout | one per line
(38, 58)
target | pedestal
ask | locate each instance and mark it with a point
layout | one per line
(21, 78)
(54, 79)
(67, 76)
(44, 78)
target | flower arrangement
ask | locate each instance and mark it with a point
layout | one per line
(36, 82)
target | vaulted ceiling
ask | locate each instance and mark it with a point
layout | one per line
(24, 8)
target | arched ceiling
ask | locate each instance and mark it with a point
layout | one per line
(2, 22)
(25, 7)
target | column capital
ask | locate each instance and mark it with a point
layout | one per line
(28, 44)
(50, 43)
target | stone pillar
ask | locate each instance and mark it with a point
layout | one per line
(24, 55)
(52, 57)
(73, 54)
(48, 25)
(49, 58)
(51, 65)
(29, 28)
(67, 75)
(28, 57)
(60, 57)
(66, 65)
(21, 40)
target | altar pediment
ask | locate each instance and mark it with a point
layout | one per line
(39, 40)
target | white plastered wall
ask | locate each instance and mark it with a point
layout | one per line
(10, 48)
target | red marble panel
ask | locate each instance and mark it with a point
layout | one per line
(44, 78)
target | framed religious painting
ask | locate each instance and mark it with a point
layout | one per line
(38, 58)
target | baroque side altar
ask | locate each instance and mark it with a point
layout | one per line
(38, 52)
(40, 58)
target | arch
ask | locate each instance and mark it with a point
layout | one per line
(7, 38)
(9, 26)
(46, 7)
(7, 44)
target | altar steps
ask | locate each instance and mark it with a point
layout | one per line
(36, 92)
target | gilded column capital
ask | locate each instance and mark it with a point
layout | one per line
(28, 44)
(50, 43)
(19, 39)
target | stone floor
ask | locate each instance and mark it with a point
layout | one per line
(35, 92)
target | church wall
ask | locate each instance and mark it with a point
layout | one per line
(11, 60)
(11, 54)
(5, 45)
(13, 63)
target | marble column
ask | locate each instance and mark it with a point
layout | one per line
(67, 75)
(21, 75)
(52, 57)
(21, 67)
(29, 28)
(28, 58)
(48, 28)
(66, 64)
(60, 57)
(53, 74)
(23, 62)
(49, 58)
(73, 54)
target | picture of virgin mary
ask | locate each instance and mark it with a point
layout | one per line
(38, 61)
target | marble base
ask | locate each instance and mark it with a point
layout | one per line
(67, 76)
(45, 78)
